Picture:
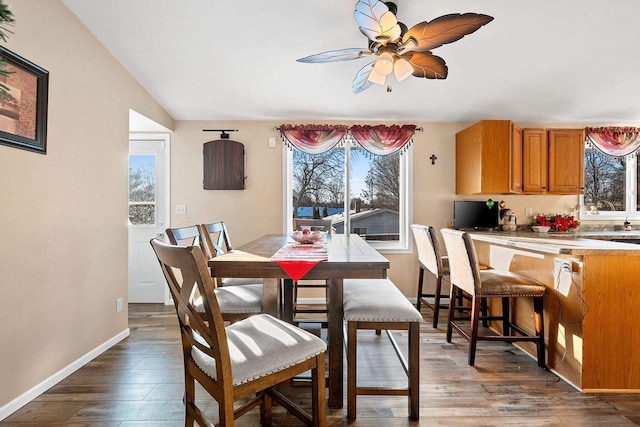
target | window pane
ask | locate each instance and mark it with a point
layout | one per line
(318, 184)
(604, 179)
(375, 195)
(142, 189)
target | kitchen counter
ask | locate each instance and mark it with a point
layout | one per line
(579, 243)
(593, 294)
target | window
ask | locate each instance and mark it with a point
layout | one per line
(142, 189)
(610, 186)
(378, 187)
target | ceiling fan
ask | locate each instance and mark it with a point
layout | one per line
(398, 49)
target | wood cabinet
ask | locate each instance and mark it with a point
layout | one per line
(223, 165)
(566, 161)
(592, 332)
(489, 158)
(498, 157)
(553, 161)
(535, 176)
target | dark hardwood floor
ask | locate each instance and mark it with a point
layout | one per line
(138, 383)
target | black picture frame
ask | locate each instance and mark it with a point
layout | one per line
(24, 88)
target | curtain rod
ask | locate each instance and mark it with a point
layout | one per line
(418, 129)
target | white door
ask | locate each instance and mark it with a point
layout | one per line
(148, 213)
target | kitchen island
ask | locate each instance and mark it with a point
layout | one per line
(591, 306)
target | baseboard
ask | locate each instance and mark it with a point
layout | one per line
(54, 379)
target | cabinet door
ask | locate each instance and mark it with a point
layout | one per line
(566, 161)
(535, 167)
(223, 165)
(516, 159)
(483, 158)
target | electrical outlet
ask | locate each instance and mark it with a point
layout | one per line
(528, 212)
(181, 209)
(119, 305)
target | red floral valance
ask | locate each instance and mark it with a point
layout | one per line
(313, 139)
(380, 140)
(614, 141)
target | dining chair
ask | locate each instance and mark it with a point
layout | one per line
(216, 241)
(308, 309)
(236, 302)
(247, 359)
(430, 258)
(466, 275)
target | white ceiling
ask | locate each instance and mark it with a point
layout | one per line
(538, 61)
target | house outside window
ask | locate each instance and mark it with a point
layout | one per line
(378, 189)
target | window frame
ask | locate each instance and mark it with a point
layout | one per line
(403, 245)
(631, 201)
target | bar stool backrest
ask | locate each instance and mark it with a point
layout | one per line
(463, 261)
(428, 246)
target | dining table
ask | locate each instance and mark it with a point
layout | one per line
(347, 257)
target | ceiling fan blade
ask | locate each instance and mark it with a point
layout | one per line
(335, 55)
(376, 21)
(427, 65)
(442, 30)
(361, 81)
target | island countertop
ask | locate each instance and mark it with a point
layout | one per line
(591, 327)
(578, 243)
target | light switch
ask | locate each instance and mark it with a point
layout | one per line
(181, 209)
(272, 142)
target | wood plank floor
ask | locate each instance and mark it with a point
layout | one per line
(138, 383)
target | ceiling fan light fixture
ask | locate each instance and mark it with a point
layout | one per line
(384, 64)
(376, 78)
(402, 69)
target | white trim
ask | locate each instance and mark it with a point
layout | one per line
(63, 373)
(166, 137)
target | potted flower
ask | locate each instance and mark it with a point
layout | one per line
(561, 223)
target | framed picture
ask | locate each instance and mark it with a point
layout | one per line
(24, 89)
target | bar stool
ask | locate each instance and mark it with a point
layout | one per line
(466, 275)
(430, 258)
(377, 304)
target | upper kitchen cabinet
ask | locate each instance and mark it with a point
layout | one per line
(566, 161)
(489, 158)
(535, 166)
(553, 161)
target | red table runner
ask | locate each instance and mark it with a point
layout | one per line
(296, 260)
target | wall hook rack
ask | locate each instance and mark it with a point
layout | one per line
(223, 134)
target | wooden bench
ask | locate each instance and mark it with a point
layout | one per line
(377, 304)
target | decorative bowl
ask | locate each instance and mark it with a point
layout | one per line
(540, 228)
(307, 238)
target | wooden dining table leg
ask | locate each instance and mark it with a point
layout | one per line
(270, 296)
(287, 309)
(336, 342)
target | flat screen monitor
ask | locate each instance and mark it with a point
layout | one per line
(475, 215)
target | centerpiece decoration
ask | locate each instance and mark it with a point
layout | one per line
(561, 223)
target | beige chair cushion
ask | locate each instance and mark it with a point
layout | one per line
(240, 299)
(236, 299)
(261, 345)
(377, 300)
